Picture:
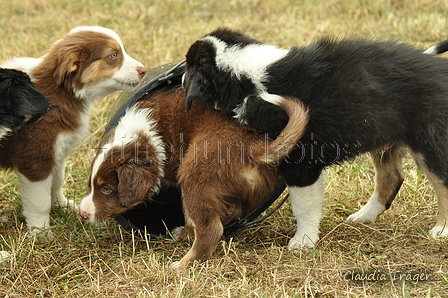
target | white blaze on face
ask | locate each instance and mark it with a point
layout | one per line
(87, 206)
(126, 77)
(136, 122)
(128, 73)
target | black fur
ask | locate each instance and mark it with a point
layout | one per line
(361, 94)
(20, 102)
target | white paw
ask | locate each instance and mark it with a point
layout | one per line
(299, 243)
(361, 216)
(439, 232)
(369, 211)
(4, 256)
(176, 232)
(175, 264)
(41, 232)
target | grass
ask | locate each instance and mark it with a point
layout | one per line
(105, 261)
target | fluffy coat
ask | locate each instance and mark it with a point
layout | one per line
(223, 169)
(362, 95)
(88, 63)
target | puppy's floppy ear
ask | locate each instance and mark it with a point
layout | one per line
(70, 57)
(5, 84)
(134, 183)
(67, 64)
(200, 67)
(194, 89)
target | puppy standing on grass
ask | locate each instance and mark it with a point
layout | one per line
(20, 104)
(363, 96)
(223, 169)
(88, 63)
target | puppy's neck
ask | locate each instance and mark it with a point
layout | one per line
(248, 61)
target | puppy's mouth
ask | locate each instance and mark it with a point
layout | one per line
(131, 85)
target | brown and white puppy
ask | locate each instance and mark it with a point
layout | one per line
(223, 169)
(88, 63)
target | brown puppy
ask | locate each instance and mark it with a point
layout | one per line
(87, 64)
(223, 169)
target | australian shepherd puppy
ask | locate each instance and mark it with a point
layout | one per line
(20, 102)
(88, 63)
(223, 169)
(362, 96)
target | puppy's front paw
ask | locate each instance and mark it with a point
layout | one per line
(439, 232)
(42, 233)
(298, 244)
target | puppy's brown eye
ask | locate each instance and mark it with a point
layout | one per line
(106, 190)
(114, 55)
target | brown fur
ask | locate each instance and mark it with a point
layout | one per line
(31, 149)
(214, 160)
(68, 75)
(388, 173)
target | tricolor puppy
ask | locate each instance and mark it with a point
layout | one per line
(223, 169)
(362, 96)
(88, 63)
(20, 102)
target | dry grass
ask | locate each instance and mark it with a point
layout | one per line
(104, 261)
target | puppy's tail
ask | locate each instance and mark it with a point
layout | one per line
(292, 133)
(439, 48)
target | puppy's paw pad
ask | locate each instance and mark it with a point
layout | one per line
(439, 232)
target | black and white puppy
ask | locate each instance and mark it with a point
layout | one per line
(362, 95)
(20, 102)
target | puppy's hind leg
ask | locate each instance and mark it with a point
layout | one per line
(441, 227)
(57, 194)
(202, 210)
(441, 188)
(388, 180)
(207, 232)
